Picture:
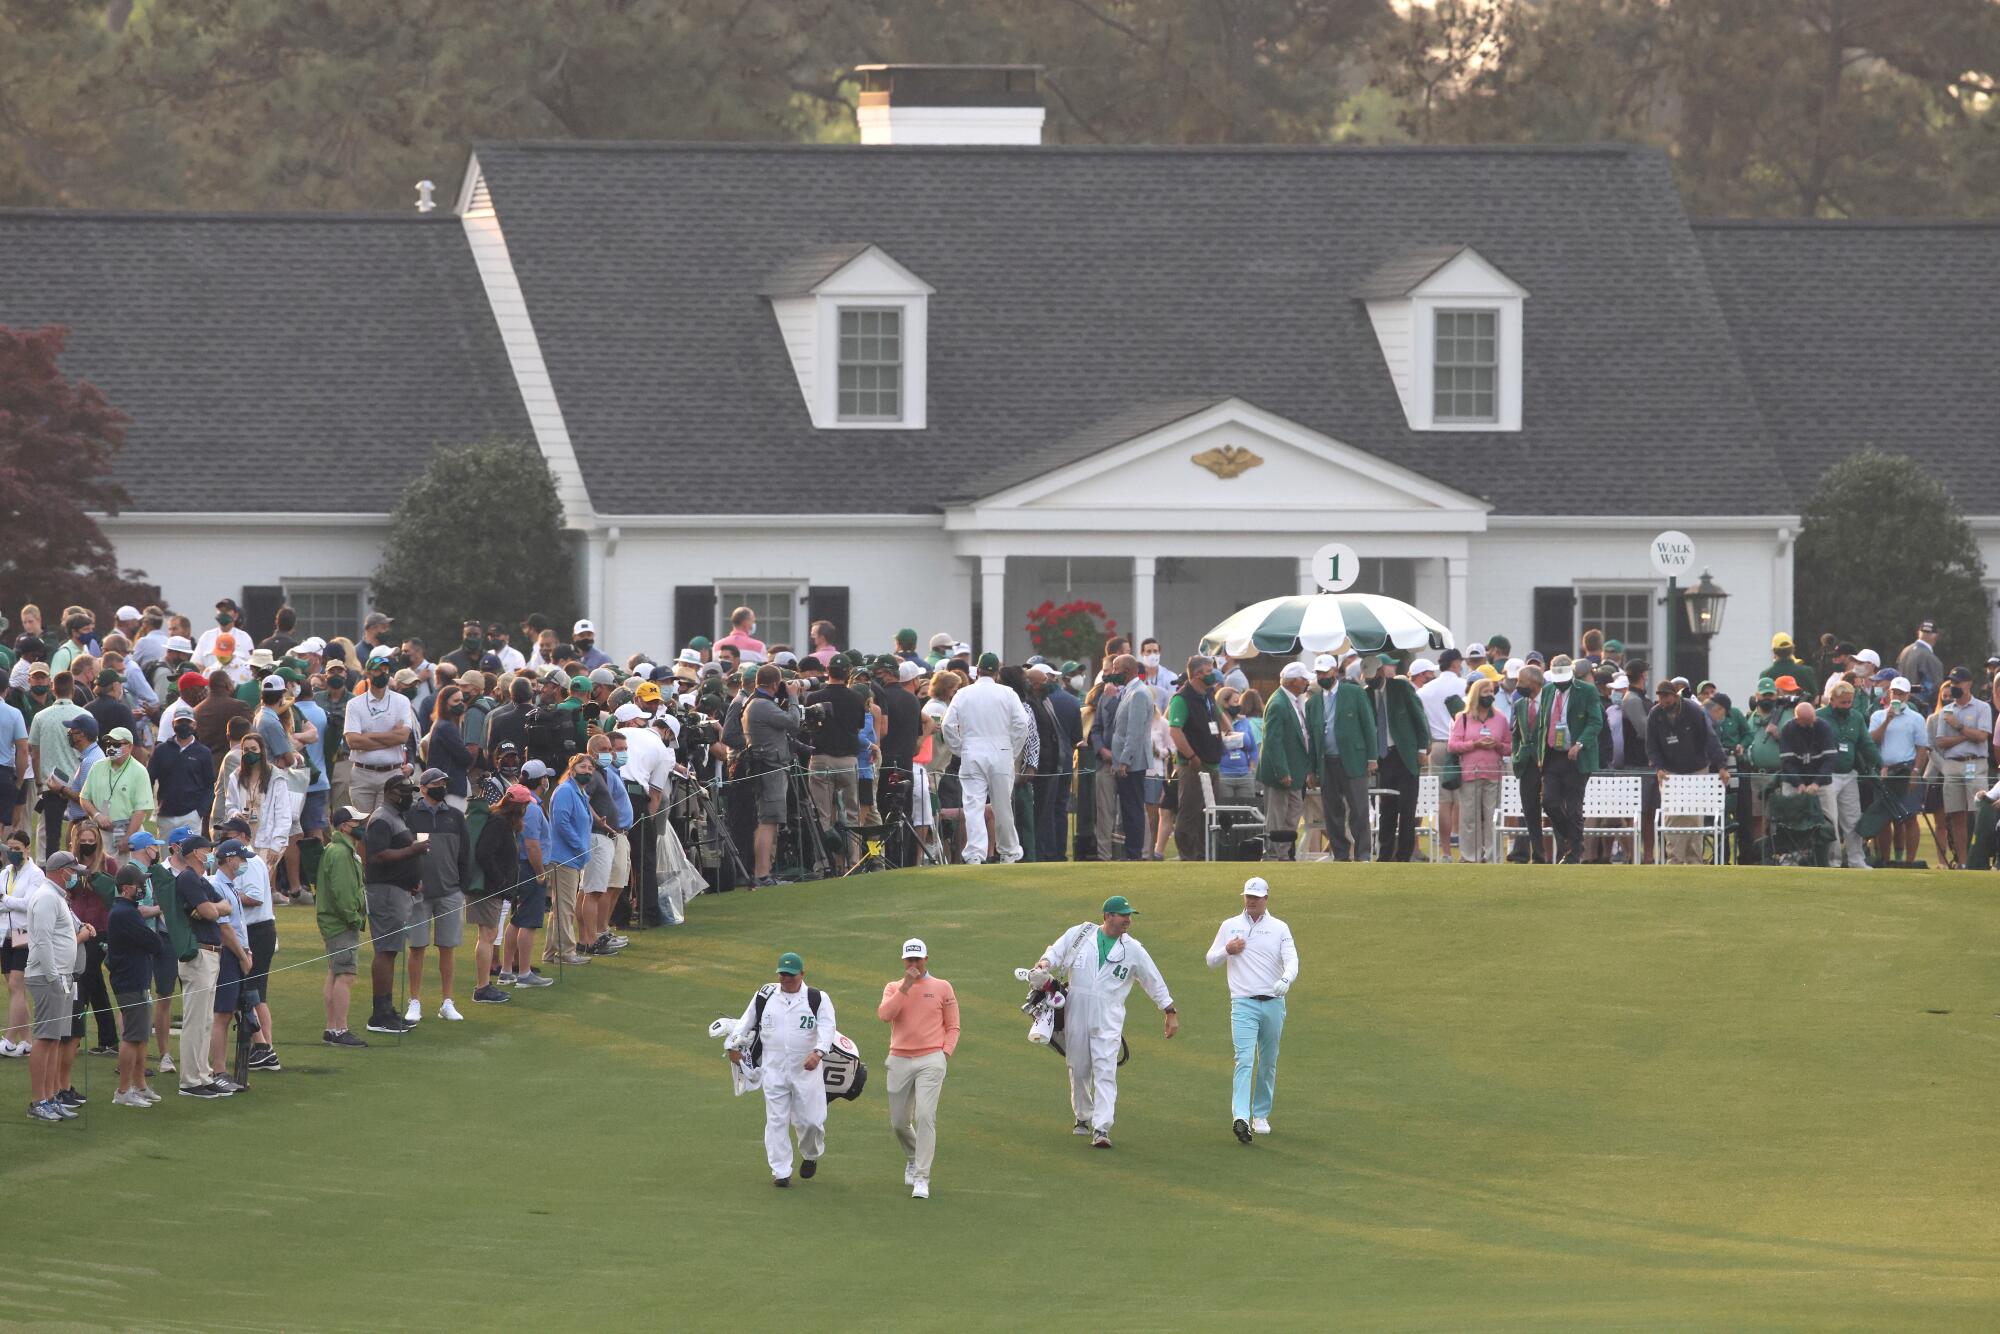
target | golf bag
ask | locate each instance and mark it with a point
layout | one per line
(1044, 1008)
(845, 1074)
(841, 1068)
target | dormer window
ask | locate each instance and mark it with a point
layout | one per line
(1449, 325)
(854, 322)
(1465, 369)
(871, 365)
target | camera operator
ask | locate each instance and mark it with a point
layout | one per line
(771, 720)
(835, 738)
(898, 731)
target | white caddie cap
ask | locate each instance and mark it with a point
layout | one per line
(126, 613)
(1870, 656)
(1255, 885)
(909, 671)
(1621, 682)
(915, 949)
(1901, 683)
(1513, 667)
(1324, 663)
(582, 628)
(1423, 665)
(628, 712)
(1295, 671)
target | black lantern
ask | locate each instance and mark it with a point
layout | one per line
(1703, 604)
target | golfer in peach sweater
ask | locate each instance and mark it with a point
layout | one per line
(922, 1014)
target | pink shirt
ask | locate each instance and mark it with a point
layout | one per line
(921, 1021)
(751, 649)
(1472, 761)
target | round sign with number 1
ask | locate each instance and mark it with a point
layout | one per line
(1335, 567)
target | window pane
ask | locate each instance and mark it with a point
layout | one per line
(1465, 366)
(871, 364)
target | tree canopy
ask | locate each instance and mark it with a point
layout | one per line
(1767, 107)
(479, 535)
(1882, 547)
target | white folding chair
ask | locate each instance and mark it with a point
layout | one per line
(1213, 821)
(1427, 814)
(1615, 804)
(1691, 804)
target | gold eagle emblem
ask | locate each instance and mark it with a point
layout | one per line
(1227, 461)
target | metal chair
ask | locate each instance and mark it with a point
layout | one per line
(1220, 819)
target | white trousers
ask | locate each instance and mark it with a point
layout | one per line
(914, 1085)
(986, 776)
(794, 1101)
(1093, 1075)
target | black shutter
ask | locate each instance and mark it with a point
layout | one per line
(694, 613)
(260, 610)
(1555, 620)
(827, 604)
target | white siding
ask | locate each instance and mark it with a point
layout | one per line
(1392, 331)
(798, 325)
(524, 352)
(192, 562)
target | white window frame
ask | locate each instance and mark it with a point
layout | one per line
(1655, 627)
(358, 587)
(1493, 313)
(912, 309)
(845, 309)
(728, 597)
(1507, 352)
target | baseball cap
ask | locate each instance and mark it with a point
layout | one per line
(604, 676)
(630, 713)
(376, 618)
(142, 839)
(701, 642)
(1513, 667)
(1071, 667)
(1781, 640)
(1886, 674)
(272, 682)
(1295, 671)
(1256, 885)
(515, 792)
(907, 636)
(126, 613)
(233, 847)
(941, 641)
(915, 949)
(989, 662)
(961, 649)
(647, 692)
(1927, 628)
(83, 723)
(313, 645)
(119, 734)
(1870, 656)
(179, 644)
(58, 861)
(534, 771)
(1788, 684)
(381, 653)
(1621, 682)
(1901, 683)
(236, 824)
(1324, 663)
(579, 683)
(582, 628)
(1614, 646)
(344, 815)
(1423, 666)
(1765, 685)
(910, 671)
(1385, 659)
(432, 775)
(1957, 674)
(790, 964)
(1475, 649)
(1119, 904)
(1036, 669)
(785, 658)
(192, 843)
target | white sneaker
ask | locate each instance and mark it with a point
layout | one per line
(922, 1189)
(975, 861)
(147, 1094)
(415, 1012)
(8, 1049)
(909, 1174)
(450, 1012)
(130, 1098)
(1260, 1126)
(166, 1065)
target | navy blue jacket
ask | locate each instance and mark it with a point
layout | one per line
(132, 945)
(186, 776)
(1068, 710)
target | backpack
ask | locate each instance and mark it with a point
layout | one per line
(551, 736)
(764, 995)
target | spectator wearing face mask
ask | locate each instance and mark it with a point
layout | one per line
(1961, 733)
(183, 774)
(380, 725)
(117, 796)
(1481, 740)
(1287, 760)
(741, 641)
(1161, 679)
(1344, 722)
(54, 946)
(445, 748)
(437, 914)
(227, 615)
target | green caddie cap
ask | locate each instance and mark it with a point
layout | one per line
(906, 638)
(1386, 659)
(1614, 646)
(1071, 667)
(1117, 904)
(1766, 685)
(790, 964)
(700, 641)
(580, 683)
(989, 662)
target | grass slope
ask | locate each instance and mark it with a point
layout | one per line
(1597, 1098)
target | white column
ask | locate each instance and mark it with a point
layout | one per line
(593, 582)
(1143, 569)
(1455, 611)
(992, 604)
(1307, 584)
(1781, 580)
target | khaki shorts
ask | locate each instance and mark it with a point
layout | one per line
(486, 912)
(343, 949)
(1963, 780)
(621, 860)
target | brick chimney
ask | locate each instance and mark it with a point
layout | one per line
(950, 104)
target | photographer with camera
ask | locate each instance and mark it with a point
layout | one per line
(834, 733)
(771, 721)
(899, 730)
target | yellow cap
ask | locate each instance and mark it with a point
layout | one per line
(1781, 640)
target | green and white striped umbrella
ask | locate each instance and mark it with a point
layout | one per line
(1326, 623)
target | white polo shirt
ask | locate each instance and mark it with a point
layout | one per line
(1436, 695)
(1268, 955)
(365, 713)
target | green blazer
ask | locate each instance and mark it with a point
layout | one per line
(1289, 750)
(1586, 718)
(1353, 727)
(1409, 726)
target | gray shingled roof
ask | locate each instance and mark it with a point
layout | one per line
(1078, 284)
(1395, 276)
(1859, 334)
(341, 346)
(802, 272)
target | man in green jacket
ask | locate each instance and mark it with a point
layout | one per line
(1786, 663)
(1558, 732)
(1287, 760)
(1858, 761)
(1403, 734)
(343, 916)
(1349, 748)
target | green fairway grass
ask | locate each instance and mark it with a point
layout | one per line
(1580, 1098)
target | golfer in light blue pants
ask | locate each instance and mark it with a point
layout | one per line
(1256, 1026)
(1263, 963)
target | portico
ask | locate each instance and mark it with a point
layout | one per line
(1179, 524)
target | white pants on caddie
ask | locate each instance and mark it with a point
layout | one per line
(794, 1100)
(986, 776)
(1093, 1074)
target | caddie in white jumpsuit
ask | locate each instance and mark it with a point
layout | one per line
(795, 1039)
(1101, 964)
(988, 726)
